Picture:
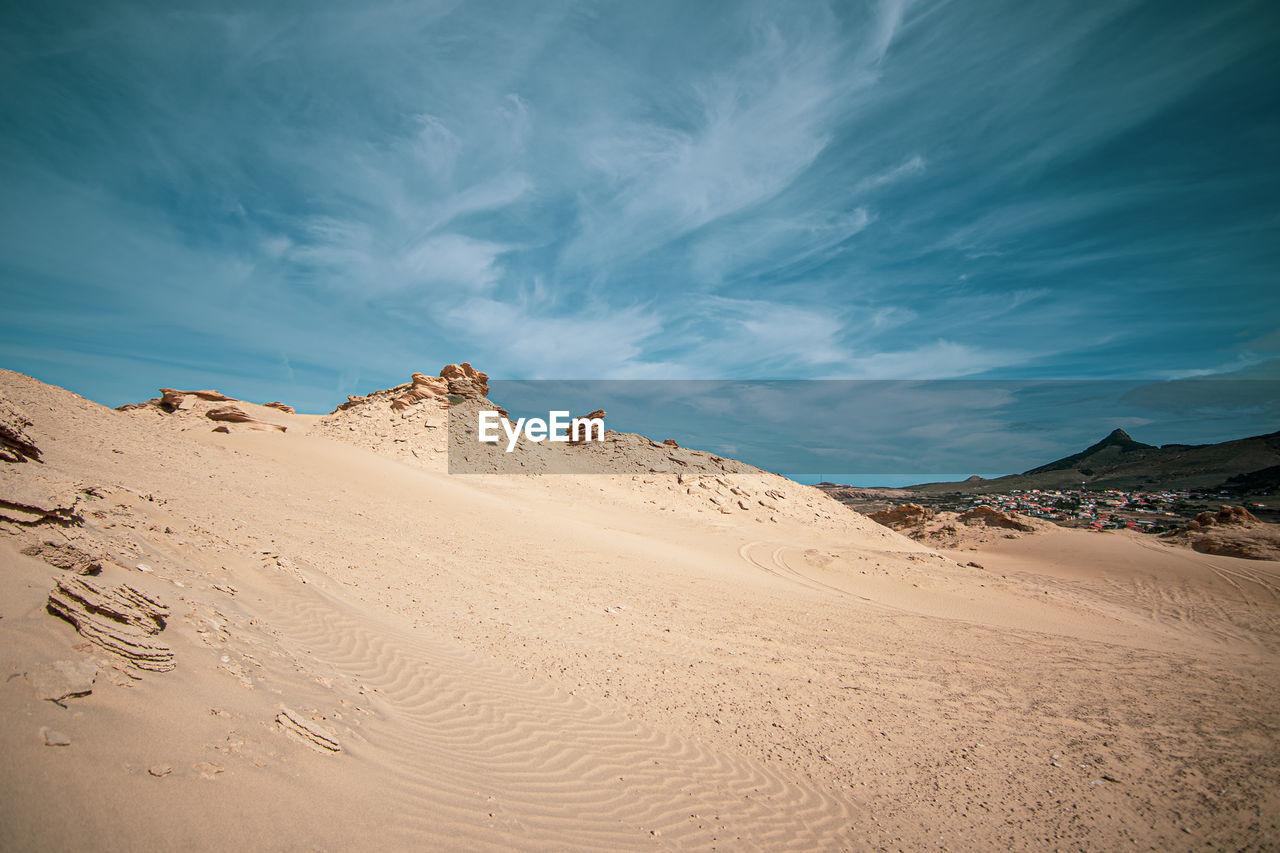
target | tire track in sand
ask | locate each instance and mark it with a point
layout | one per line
(774, 564)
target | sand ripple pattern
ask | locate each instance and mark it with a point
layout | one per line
(503, 761)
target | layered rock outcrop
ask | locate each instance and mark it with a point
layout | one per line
(187, 409)
(15, 444)
(236, 415)
(409, 421)
(65, 555)
(171, 399)
(458, 380)
(421, 387)
(465, 381)
(119, 619)
(30, 502)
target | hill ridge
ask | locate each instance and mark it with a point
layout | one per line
(1120, 461)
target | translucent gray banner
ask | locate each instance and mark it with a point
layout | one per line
(843, 430)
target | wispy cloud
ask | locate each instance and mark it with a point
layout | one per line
(913, 165)
(589, 344)
(883, 189)
(761, 246)
(746, 132)
(771, 339)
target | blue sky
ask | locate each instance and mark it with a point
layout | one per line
(301, 201)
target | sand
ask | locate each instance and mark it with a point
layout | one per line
(368, 651)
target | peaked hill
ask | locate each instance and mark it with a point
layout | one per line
(1120, 462)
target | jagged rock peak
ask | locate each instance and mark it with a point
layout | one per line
(465, 380)
(456, 380)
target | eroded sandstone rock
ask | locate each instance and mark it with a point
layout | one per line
(464, 380)
(987, 516)
(33, 501)
(232, 414)
(902, 516)
(1226, 516)
(171, 398)
(302, 729)
(236, 415)
(65, 555)
(422, 387)
(119, 619)
(584, 434)
(15, 444)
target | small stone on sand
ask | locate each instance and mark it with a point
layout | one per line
(54, 738)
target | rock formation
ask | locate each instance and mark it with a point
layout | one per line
(299, 727)
(15, 444)
(986, 516)
(1231, 531)
(231, 414)
(456, 380)
(1226, 516)
(584, 434)
(464, 380)
(352, 401)
(64, 555)
(902, 516)
(422, 387)
(172, 399)
(410, 421)
(30, 502)
(188, 406)
(119, 619)
(63, 679)
(1262, 547)
(235, 415)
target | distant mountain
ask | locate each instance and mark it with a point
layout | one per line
(1120, 462)
(1095, 454)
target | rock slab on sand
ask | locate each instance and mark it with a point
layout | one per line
(63, 679)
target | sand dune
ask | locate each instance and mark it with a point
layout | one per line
(368, 651)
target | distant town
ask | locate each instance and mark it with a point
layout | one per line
(1108, 509)
(1113, 509)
